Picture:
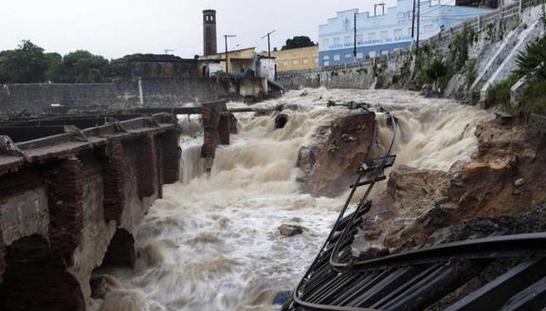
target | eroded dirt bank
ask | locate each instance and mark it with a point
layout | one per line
(457, 167)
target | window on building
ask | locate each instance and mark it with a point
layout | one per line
(372, 36)
(326, 63)
(360, 55)
(285, 63)
(428, 28)
(336, 42)
(372, 54)
(348, 55)
(337, 57)
(384, 34)
(295, 62)
(397, 34)
(348, 40)
(316, 60)
(306, 61)
(326, 57)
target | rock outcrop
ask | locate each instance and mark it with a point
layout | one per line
(289, 230)
(329, 165)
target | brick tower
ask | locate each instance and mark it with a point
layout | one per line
(209, 32)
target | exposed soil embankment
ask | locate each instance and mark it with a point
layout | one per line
(455, 165)
(504, 179)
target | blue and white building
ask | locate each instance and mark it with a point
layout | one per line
(386, 31)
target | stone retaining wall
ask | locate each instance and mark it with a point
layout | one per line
(38, 97)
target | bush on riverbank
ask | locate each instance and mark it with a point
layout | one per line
(499, 94)
(436, 69)
(531, 63)
(534, 98)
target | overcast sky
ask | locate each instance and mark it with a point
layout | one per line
(114, 28)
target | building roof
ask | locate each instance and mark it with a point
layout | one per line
(229, 52)
(147, 58)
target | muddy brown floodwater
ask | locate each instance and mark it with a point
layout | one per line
(212, 242)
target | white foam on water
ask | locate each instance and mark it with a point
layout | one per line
(212, 242)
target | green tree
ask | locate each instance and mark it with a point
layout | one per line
(298, 42)
(83, 66)
(533, 59)
(54, 71)
(26, 64)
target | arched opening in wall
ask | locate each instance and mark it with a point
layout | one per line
(35, 279)
(121, 251)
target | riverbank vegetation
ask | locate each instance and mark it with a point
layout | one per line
(436, 68)
(532, 65)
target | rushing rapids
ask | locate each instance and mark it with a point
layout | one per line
(213, 243)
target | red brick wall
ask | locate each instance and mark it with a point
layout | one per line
(146, 166)
(65, 197)
(170, 157)
(112, 159)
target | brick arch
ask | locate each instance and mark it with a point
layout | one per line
(36, 279)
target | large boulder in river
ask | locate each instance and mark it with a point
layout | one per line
(329, 165)
(289, 230)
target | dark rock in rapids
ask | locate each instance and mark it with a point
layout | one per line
(289, 230)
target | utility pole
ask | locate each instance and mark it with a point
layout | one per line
(417, 42)
(520, 9)
(354, 38)
(413, 21)
(167, 51)
(268, 35)
(227, 53)
(500, 8)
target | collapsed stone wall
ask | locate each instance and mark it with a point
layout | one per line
(61, 219)
(38, 97)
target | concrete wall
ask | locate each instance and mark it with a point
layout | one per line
(155, 92)
(351, 78)
(362, 76)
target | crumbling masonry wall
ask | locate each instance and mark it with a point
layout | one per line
(65, 216)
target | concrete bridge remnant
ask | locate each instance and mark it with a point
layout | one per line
(72, 192)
